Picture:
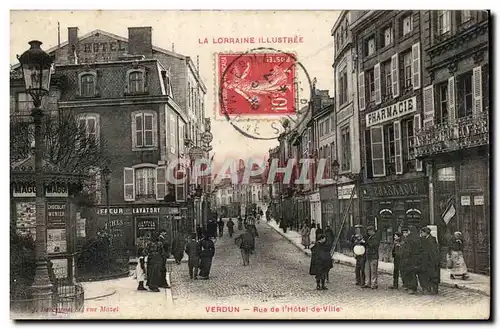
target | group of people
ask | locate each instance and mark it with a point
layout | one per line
(310, 234)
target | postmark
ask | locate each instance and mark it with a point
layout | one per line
(262, 91)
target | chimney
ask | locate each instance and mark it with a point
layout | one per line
(140, 41)
(72, 44)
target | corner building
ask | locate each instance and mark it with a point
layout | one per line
(394, 187)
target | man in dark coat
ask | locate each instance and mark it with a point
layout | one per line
(330, 237)
(164, 250)
(358, 239)
(178, 248)
(230, 227)
(371, 259)
(246, 242)
(199, 232)
(220, 225)
(212, 229)
(206, 255)
(396, 255)
(193, 252)
(240, 223)
(409, 259)
(321, 262)
(429, 270)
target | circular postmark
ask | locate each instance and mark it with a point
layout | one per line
(263, 91)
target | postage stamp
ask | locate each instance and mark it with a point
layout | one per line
(257, 84)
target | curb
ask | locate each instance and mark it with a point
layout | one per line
(383, 271)
(101, 296)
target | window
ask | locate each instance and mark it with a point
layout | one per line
(24, 104)
(387, 36)
(88, 124)
(465, 98)
(143, 129)
(464, 16)
(346, 148)
(408, 144)
(370, 46)
(321, 128)
(173, 135)
(407, 24)
(87, 85)
(136, 82)
(443, 21)
(386, 67)
(343, 86)
(189, 94)
(181, 136)
(389, 149)
(442, 115)
(327, 126)
(370, 83)
(406, 67)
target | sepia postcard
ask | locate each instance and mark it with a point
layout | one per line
(222, 164)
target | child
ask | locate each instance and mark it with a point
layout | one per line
(140, 269)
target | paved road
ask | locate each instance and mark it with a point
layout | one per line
(278, 277)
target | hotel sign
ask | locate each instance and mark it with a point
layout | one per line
(392, 112)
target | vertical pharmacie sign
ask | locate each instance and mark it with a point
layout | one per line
(54, 190)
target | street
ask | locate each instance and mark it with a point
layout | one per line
(278, 279)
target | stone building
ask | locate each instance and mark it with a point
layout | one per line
(454, 139)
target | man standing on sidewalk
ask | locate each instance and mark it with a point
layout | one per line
(246, 242)
(371, 264)
(429, 270)
(193, 249)
(358, 240)
(409, 259)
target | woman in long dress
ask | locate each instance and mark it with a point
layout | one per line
(304, 232)
(455, 252)
(155, 262)
(312, 235)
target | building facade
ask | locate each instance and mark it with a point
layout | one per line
(453, 142)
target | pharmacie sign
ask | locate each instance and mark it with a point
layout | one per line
(392, 112)
(29, 190)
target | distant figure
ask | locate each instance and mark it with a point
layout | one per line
(140, 269)
(230, 227)
(246, 242)
(193, 251)
(305, 234)
(199, 232)
(319, 231)
(220, 225)
(268, 215)
(312, 234)
(178, 248)
(206, 255)
(240, 223)
(396, 255)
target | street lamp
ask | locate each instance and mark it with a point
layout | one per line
(36, 66)
(107, 178)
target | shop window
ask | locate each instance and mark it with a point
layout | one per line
(442, 94)
(370, 84)
(389, 149)
(144, 130)
(464, 93)
(443, 21)
(136, 81)
(407, 24)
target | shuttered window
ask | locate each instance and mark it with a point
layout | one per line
(128, 184)
(395, 75)
(398, 147)
(161, 182)
(144, 130)
(362, 93)
(378, 90)
(428, 100)
(477, 90)
(377, 150)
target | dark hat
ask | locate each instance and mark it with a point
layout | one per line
(403, 229)
(426, 230)
(370, 227)
(397, 233)
(321, 236)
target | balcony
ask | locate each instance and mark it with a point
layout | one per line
(463, 133)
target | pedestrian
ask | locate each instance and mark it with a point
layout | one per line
(358, 246)
(212, 229)
(330, 237)
(193, 252)
(319, 231)
(371, 260)
(246, 243)
(206, 255)
(409, 260)
(240, 223)
(396, 255)
(313, 224)
(164, 249)
(283, 224)
(230, 227)
(178, 248)
(140, 269)
(429, 269)
(220, 225)
(455, 257)
(312, 234)
(304, 232)
(199, 232)
(268, 215)
(154, 271)
(321, 262)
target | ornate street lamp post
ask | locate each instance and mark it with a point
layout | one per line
(107, 178)
(36, 66)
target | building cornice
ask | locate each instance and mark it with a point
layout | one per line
(162, 99)
(459, 39)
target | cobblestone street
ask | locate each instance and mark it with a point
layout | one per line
(278, 276)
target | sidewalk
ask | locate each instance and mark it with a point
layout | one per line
(476, 282)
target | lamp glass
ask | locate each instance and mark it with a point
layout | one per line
(37, 69)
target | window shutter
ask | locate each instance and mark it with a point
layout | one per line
(398, 147)
(129, 184)
(362, 94)
(415, 52)
(378, 156)
(137, 133)
(378, 91)
(428, 100)
(451, 99)
(161, 182)
(477, 90)
(395, 75)
(416, 132)
(155, 131)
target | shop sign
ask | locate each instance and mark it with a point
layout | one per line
(392, 112)
(314, 197)
(172, 211)
(344, 192)
(29, 190)
(145, 210)
(394, 189)
(112, 211)
(479, 200)
(465, 200)
(413, 213)
(147, 224)
(56, 214)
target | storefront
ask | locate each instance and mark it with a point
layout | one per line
(328, 200)
(139, 223)
(315, 208)
(391, 205)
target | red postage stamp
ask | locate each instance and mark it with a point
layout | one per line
(257, 84)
